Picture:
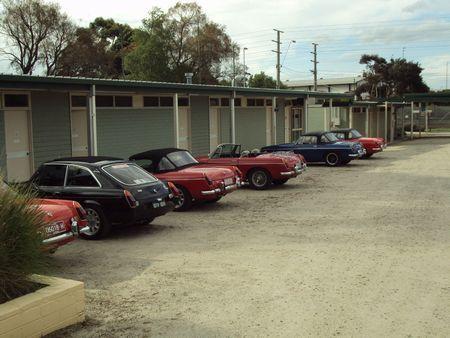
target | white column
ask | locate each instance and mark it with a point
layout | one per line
(350, 116)
(385, 121)
(233, 118)
(412, 120)
(426, 117)
(377, 111)
(176, 121)
(93, 151)
(305, 129)
(274, 119)
(367, 121)
(329, 114)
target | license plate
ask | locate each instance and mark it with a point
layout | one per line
(159, 204)
(55, 228)
(228, 181)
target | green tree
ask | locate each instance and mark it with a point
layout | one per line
(187, 40)
(384, 79)
(87, 56)
(262, 80)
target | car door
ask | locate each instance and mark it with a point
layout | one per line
(307, 146)
(81, 184)
(50, 180)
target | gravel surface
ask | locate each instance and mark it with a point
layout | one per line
(361, 250)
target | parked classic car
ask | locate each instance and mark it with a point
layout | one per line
(195, 182)
(258, 170)
(371, 144)
(321, 146)
(111, 190)
(63, 220)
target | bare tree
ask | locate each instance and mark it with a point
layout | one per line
(27, 24)
(61, 35)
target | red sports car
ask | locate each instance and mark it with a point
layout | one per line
(195, 182)
(258, 170)
(63, 221)
(371, 144)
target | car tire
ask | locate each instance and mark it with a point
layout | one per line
(259, 179)
(280, 182)
(184, 199)
(332, 160)
(100, 226)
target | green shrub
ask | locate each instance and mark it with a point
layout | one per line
(21, 253)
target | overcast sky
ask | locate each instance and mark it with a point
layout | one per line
(344, 30)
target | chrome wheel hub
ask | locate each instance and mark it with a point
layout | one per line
(94, 222)
(259, 179)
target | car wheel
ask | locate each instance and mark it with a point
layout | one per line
(184, 199)
(259, 179)
(332, 159)
(98, 223)
(280, 182)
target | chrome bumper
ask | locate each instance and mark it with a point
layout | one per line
(65, 236)
(218, 190)
(297, 171)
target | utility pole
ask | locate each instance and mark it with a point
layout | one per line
(315, 62)
(403, 52)
(278, 52)
(233, 80)
(245, 69)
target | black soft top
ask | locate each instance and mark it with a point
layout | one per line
(155, 154)
(315, 133)
(91, 160)
(342, 130)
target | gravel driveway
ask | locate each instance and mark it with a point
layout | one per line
(361, 250)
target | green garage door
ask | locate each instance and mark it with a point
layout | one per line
(123, 132)
(251, 127)
(359, 121)
(200, 125)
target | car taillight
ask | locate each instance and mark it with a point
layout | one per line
(173, 189)
(130, 199)
(82, 214)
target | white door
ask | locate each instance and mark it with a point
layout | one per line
(184, 131)
(79, 133)
(18, 159)
(213, 128)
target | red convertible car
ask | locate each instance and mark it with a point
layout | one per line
(371, 144)
(258, 170)
(195, 182)
(63, 221)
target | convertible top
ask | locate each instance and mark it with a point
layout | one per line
(155, 154)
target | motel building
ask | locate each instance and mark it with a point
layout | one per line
(44, 118)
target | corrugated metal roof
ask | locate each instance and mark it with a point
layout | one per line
(176, 87)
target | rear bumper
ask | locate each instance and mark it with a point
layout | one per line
(219, 191)
(66, 236)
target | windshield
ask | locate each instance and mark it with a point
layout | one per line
(331, 137)
(355, 134)
(181, 158)
(129, 174)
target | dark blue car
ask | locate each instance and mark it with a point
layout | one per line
(321, 146)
